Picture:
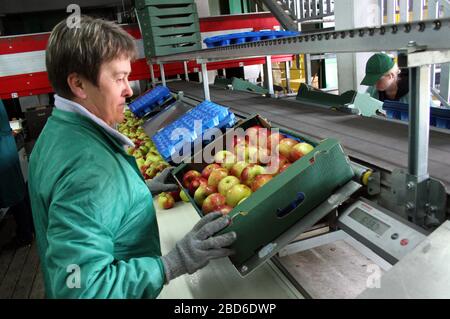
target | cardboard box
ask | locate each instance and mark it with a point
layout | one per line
(283, 201)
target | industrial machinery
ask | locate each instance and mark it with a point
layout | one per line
(399, 196)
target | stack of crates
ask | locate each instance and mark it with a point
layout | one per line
(168, 26)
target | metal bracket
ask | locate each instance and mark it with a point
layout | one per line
(424, 202)
(374, 183)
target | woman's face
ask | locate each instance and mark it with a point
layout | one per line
(385, 82)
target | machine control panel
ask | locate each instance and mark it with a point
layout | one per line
(379, 228)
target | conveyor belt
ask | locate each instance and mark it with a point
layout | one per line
(380, 142)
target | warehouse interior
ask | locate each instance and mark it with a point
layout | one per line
(360, 206)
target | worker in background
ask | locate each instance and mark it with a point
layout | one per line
(13, 191)
(95, 222)
(385, 79)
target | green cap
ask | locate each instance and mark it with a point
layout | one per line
(376, 67)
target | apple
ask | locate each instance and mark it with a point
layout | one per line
(224, 209)
(299, 150)
(225, 158)
(202, 192)
(237, 168)
(189, 176)
(250, 172)
(260, 180)
(273, 140)
(175, 195)
(195, 183)
(213, 201)
(258, 155)
(236, 193)
(284, 167)
(165, 201)
(216, 175)
(226, 183)
(275, 163)
(208, 169)
(184, 197)
(285, 146)
(140, 162)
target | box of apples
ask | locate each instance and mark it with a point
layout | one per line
(265, 178)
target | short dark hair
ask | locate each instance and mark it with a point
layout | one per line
(83, 49)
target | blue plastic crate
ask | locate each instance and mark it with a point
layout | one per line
(149, 101)
(210, 114)
(244, 37)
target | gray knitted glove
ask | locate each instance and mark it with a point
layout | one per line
(199, 246)
(159, 184)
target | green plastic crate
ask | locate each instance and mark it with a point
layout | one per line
(170, 30)
(172, 39)
(139, 4)
(162, 11)
(147, 20)
(256, 220)
(154, 51)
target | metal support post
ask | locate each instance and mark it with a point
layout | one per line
(152, 74)
(163, 75)
(445, 82)
(205, 82)
(308, 76)
(186, 74)
(419, 122)
(287, 71)
(268, 76)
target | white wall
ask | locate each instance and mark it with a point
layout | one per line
(351, 14)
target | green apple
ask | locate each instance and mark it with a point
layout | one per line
(226, 183)
(237, 168)
(236, 193)
(216, 175)
(202, 192)
(250, 172)
(225, 158)
(184, 197)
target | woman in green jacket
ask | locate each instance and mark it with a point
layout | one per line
(95, 222)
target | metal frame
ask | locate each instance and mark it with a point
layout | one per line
(428, 34)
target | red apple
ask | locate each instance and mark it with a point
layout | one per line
(226, 183)
(237, 193)
(299, 150)
(202, 192)
(284, 167)
(275, 163)
(208, 169)
(189, 176)
(213, 201)
(239, 139)
(195, 183)
(165, 201)
(237, 168)
(176, 195)
(260, 180)
(250, 172)
(216, 175)
(224, 209)
(285, 146)
(273, 140)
